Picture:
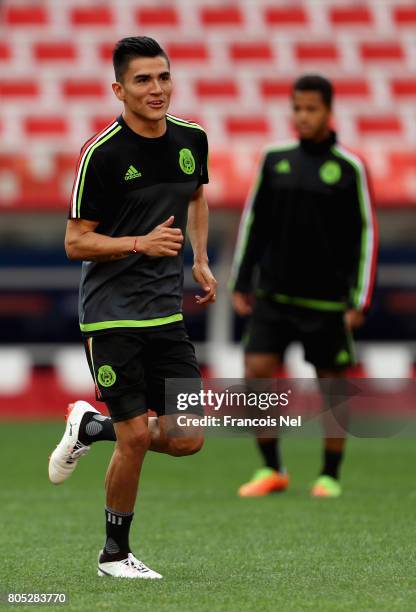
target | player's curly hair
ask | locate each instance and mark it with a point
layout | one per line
(131, 47)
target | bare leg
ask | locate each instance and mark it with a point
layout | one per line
(184, 443)
(133, 440)
(121, 483)
(333, 445)
(261, 365)
(331, 425)
(168, 438)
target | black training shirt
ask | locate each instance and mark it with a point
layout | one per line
(308, 235)
(130, 184)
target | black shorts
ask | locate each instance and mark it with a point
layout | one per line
(129, 368)
(326, 341)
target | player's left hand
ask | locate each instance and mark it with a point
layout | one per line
(204, 277)
(354, 318)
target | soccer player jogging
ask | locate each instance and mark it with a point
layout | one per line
(304, 265)
(138, 185)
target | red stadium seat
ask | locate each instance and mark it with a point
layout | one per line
(403, 87)
(5, 51)
(105, 51)
(213, 16)
(83, 88)
(48, 51)
(381, 51)
(404, 15)
(157, 16)
(45, 126)
(184, 52)
(382, 125)
(306, 52)
(225, 88)
(275, 88)
(245, 126)
(351, 87)
(66, 163)
(26, 15)
(405, 160)
(19, 88)
(403, 163)
(99, 123)
(258, 51)
(353, 15)
(215, 66)
(285, 16)
(97, 15)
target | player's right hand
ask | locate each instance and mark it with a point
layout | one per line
(162, 241)
(243, 303)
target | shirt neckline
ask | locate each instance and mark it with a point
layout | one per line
(316, 148)
(137, 136)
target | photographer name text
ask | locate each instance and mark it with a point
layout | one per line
(229, 421)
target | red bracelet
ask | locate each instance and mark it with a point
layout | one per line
(134, 246)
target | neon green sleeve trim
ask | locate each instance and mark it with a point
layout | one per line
(89, 327)
(84, 170)
(246, 223)
(195, 126)
(282, 147)
(360, 290)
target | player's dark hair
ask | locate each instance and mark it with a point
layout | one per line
(131, 47)
(314, 82)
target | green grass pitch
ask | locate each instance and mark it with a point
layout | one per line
(216, 551)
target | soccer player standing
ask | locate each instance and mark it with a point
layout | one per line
(138, 186)
(307, 252)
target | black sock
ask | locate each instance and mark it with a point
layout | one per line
(95, 428)
(117, 527)
(332, 462)
(270, 452)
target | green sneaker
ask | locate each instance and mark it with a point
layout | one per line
(326, 486)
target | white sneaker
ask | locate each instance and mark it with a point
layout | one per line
(64, 458)
(127, 568)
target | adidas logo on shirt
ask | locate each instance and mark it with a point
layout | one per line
(132, 173)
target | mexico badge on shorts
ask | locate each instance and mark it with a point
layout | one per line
(106, 376)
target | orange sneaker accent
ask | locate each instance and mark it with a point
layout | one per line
(319, 492)
(275, 481)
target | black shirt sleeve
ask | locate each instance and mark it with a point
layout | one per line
(88, 193)
(253, 233)
(363, 240)
(204, 178)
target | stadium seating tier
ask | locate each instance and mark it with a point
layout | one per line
(233, 64)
